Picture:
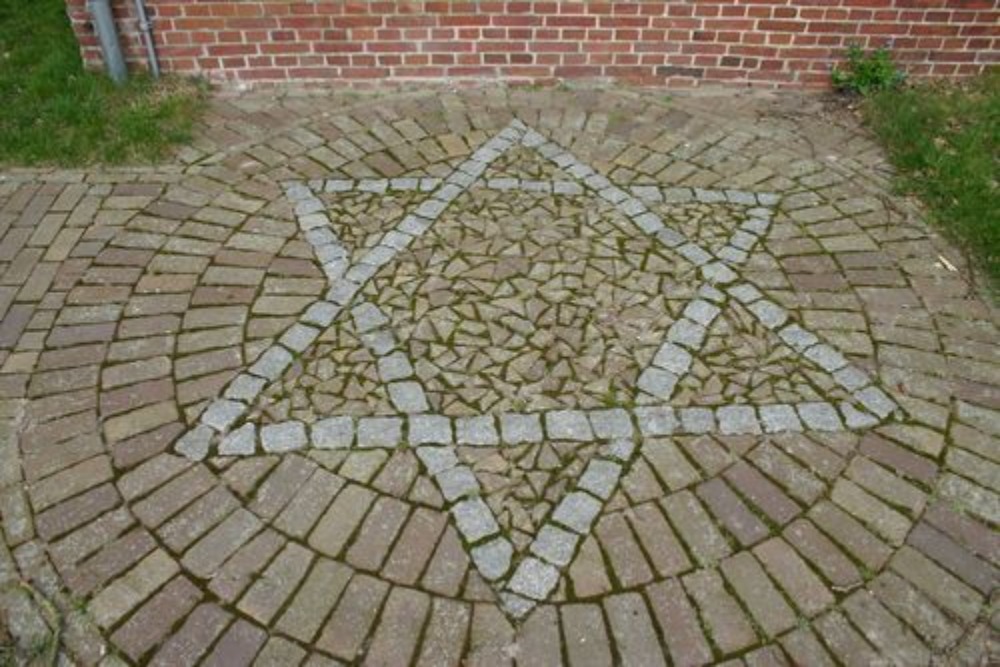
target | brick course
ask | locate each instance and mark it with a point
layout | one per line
(769, 43)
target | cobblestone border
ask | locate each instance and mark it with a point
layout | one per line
(618, 431)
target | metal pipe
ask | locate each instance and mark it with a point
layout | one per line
(107, 34)
(146, 26)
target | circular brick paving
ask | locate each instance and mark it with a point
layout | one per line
(491, 377)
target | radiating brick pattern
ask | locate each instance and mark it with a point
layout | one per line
(733, 516)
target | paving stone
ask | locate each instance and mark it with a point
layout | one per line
(656, 420)
(283, 437)
(436, 459)
(731, 512)
(696, 528)
(429, 429)
(666, 554)
(241, 442)
(520, 428)
(679, 624)
(567, 425)
(318, 594)
(737, 420)
(600, 478)
(577, 511)
(474, 519)
(554, 545)
(633, 630)
(377, 533)
(351, 622)
(619, 545)
(201, 628)
(609, 424)
(395, 640)
(533, 579)
(585, 635)
(819, 416)
(148, 626)
(269, 593)
(341, 519)
(723, 618)
(746, 576)
(779, 418)
(333, 433)
(884, 630)
(445, 635)
(380, 432)
(476, 431)
(457, 482)
(408, 397)
(238, 646)
(493, 558)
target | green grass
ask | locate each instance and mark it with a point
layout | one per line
(55, 112)
(944, 139)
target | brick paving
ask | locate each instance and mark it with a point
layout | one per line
(491, 377)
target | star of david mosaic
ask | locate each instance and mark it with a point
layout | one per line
(544, 432)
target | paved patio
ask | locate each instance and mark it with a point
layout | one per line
(495, 376)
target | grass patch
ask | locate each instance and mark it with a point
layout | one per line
(944, 139)
(55, 112)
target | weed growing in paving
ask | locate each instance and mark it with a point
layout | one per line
(867, 73)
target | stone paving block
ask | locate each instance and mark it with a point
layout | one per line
(476, 431)
(884, 630)
(622, 550)
(723, 618)
(929, 622)
(847, 532)
(276, 584)
(377, 534)
(568, 425)
(351, 622)
(200, 629)
(731, 512)
(474, 519)
(151, 623)
(429, 429)
(696, 529)
(305, 508)
(116, 600)
(678, 622)
(884, 520)
(632, 630)
(284, 437)
(239, 645)
(445, 635)
(516, 429)
(768, 608)
(577, 511)
(341, 519)
(822, 553)
(281, 485)
(944, 588)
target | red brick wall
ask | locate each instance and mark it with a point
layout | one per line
(673, 42)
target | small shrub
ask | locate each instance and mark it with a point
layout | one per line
(867, 73)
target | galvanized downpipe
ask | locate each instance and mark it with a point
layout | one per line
(107, 34)
(147, 36)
